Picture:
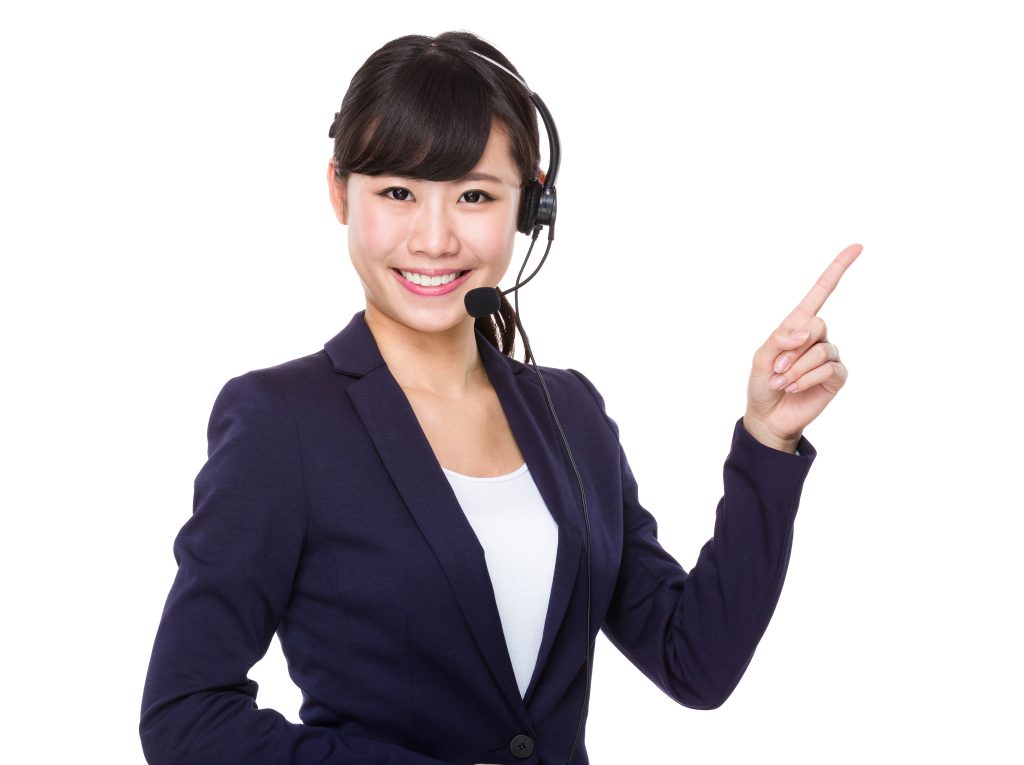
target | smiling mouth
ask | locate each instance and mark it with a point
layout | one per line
(423, 280)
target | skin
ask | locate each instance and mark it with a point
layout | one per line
(429, 344)
(793, 379)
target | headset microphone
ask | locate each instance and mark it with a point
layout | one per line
(483, 301)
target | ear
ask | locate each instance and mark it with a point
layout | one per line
(338, 191)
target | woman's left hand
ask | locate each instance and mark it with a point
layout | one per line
(793, 378)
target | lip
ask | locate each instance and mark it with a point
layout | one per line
(433, 271)
(441, 289)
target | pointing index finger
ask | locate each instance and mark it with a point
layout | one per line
(815, 299)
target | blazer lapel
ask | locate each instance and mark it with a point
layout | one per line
(527, 412)
(403, 448)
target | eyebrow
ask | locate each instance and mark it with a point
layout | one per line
(476, 176)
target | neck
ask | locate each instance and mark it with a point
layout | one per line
(444, 363)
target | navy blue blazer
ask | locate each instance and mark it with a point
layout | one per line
(323, 514)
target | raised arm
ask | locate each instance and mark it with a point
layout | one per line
(694, 632)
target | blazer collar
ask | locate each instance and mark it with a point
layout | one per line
(407, 456)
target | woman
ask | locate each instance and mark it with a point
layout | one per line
(400, 509)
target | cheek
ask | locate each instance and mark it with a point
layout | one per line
(492, 239)
(372, 233)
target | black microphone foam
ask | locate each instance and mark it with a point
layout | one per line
(483, 301)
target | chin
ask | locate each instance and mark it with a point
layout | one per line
(431, 319)
(435, 321)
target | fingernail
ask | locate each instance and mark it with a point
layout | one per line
(778, 382)
(799, 337)
(782, 363)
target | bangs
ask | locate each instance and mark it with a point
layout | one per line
(434, 127)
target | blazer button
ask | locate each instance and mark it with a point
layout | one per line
(521, 746)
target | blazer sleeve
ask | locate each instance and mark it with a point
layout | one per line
(693, 633)
(237, 556)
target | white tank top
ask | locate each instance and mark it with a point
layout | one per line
(520, 541)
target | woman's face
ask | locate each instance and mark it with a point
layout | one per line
(420, 246)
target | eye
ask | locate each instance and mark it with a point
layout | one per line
(396, 193)
(476, 197)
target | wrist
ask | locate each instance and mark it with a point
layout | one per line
(767, 438)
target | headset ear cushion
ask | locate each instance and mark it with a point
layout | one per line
(528, 205)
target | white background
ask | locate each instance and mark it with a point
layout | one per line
(166, 227)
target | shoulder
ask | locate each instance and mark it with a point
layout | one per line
(287, 389)
(295, 372)
(573, 392)
(303, 373)
(569, 382)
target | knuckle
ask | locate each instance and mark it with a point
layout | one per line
(827, 283)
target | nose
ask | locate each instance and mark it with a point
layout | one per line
(432, 232)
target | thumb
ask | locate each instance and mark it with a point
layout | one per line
(782, 339)
(796, 338)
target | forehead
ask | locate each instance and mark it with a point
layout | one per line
(496, 159)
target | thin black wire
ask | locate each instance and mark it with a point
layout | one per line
(518, 284)
(531, 359)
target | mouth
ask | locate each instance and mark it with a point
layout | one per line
(430, 284)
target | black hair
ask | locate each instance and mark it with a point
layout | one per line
(422, 107)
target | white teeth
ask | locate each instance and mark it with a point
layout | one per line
(429, 281)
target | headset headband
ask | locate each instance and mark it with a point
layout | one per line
(555, 153)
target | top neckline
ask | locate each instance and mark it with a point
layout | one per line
(487, 479)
